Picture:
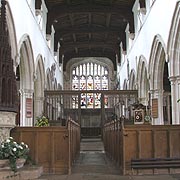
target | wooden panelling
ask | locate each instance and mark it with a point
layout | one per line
(146, 149)
(50, 146)
(160, 143)
(130, 145)
(174, 143)
(141, 141)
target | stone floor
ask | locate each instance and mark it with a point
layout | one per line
(93, 164)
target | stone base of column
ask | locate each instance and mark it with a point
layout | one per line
(7, 122)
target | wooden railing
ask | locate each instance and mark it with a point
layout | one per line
(54, 148)
(124, 143)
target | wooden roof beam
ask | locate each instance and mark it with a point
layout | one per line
(80, 30)
(68, 47)
(72, 24)
(58, 11)
(108, 20)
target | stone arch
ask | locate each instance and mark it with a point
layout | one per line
(39, 84)
(156, 71)
(12, 34)
(26, 63)
(26, 70)
(157, 60)
(173, 48)
(76, 61)
(142, 80)
(132, 82)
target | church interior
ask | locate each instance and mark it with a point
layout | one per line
(97, 74)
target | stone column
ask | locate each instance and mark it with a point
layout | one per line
(7, 122)
(178, 103)
(26, 120)
(174, 98)
(38, 104)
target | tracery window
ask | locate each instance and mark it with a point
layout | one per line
(90, 76)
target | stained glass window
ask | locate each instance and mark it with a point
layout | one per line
(97, 83)
(105, 82)
(90, 83)
(90, 76)
(75, 83)
(82, 83)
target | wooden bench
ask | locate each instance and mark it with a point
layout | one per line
(151, 163)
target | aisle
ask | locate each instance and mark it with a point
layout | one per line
(92, 159)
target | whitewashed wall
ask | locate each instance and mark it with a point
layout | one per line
(25, 23)
(156, 22)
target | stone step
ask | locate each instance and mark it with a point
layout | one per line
(92, 144)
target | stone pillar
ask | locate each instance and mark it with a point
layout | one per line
(38, 104)
(26, 119)
(7, 122)
(158, 94)
(174, 98)
(178, 103)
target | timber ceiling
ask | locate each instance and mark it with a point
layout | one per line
(89, 28)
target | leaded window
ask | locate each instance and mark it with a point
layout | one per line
(90, 76)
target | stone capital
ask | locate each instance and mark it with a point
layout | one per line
(26, 92)
(178, 80)
(173, 79)
(154, 91)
